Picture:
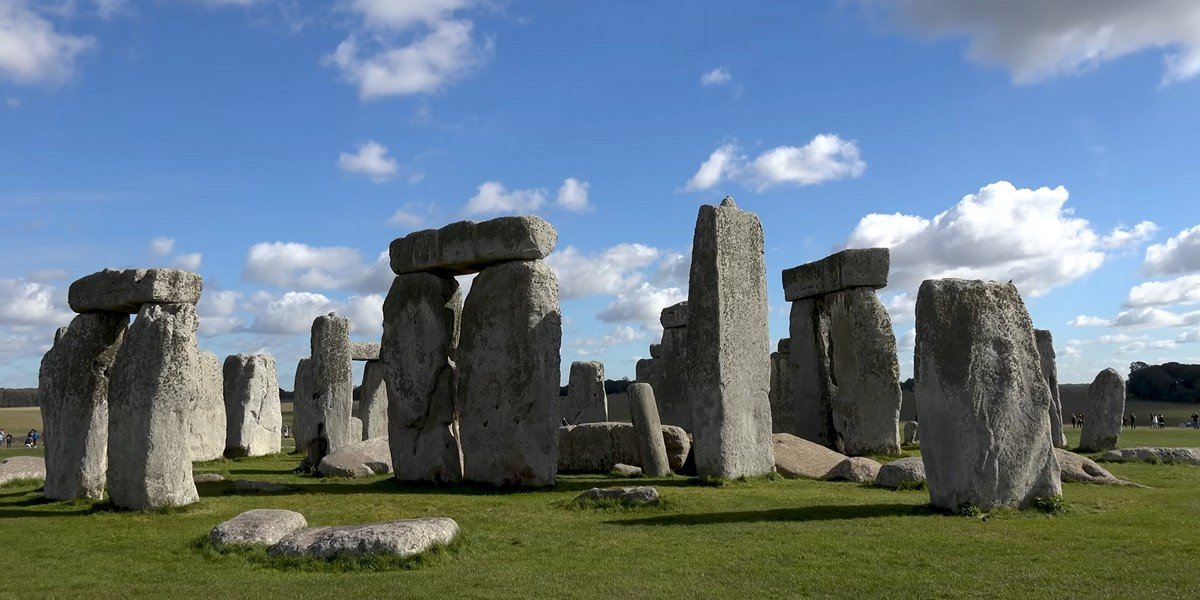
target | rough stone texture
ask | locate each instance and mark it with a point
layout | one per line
(208, 478)
(16, 468)
(648, 430)
(856, 267)
(596, 447)
(207, 423)
(360, 459)
(811, 377)
(728, 346)
(674, 316)
(984, 406)
(907, 472)
(469, 246)
(373, 401)
(911, 433)
(420, 338)
(155, 379)
(671, 390)
(858, 469)
(398, 538)
(356, 430)
(629, 496)
(783, 418)
(332, 379)
(257, 527)
(866, 405)
(656, 350)
(798, 457)
(1082, 469)
(252, 410)
(304, 407)
(624, 470)
(508, 375)
(59, 333)
(126, 290)
(1045, 346)
(73, 395)
(1186, 456)
(585, 401)
(264, 487)
(1105, 408)
(363, 351)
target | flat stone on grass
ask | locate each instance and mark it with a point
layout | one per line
(18, 468)
(624, 470)
(1186, 456)
(858, 469)
(627, 496)
(266, 487)
(404, 538)
(362, 459)
(906, 473)
(257, 527)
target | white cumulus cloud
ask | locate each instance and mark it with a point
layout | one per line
(371, 160)
(296, 265)
(32, 304)
(573, 195)
(290, 313)
(611, 271)
(218, 312)
(827, 157)
(1179, 254)
(162, 246)
(32, 50)
(492, 197)
(717, 76)
(1181, 290)
(641, 304)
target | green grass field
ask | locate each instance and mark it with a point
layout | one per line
(763, 539)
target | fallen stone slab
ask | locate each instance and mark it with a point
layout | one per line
(251, 485)
(397, 538)
(207, 478)
(596, 447)
(629, 496)
(257, 527)
(1082, 469)
(469, 246)
(856, 267)
(798, 457)
(908, 473)
(362, 459)
(1186, 456)
(624, 470)
(858, 469)
(363, 351)
(17, 468)
(126, 290)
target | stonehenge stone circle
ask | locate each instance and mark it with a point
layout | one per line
(207, 425)
(644, 414)
(373, 401)
(585, 401)
(1045, 345)
(364, 351)
(155, 379)
(73, 388)
(812, 376)
(984, 405)
(866, 407)
(398, 538)
(728, 345)
(853, 268)
(304, 406)
(782, 407)
(421, 318)
(332, 378)
(253, 414)
(1105, 407)
(126, 290)
(469, 247)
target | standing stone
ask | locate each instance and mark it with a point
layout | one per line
(155, 379)
(812, 376)
(356, 430)
(420, 339)
(910, 436)
(252, 406)
(508, 375)
(866, 405)
(586, 401)
(1045, 344)
(672, 389)
(782, 408)
(1105, 407)
(644, 413)
(373, 401)
(73, 395)
(332, 378)
(984, 406)
(207, 423)
(304, 407)
(728, 345)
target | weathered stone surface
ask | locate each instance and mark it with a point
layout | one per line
(360, 459)
(910, 436)
(624, 470)
(356, 430)
(783, 418)
(126, 290)
(207, 423)
(364, 351)
(866, 405)
(305, 415)
(1045, 345)
(784, 346)
(856, 267)
(1185, 456)
(373, 401)
(469, 246)
(728, 346)
(858, 469)
(671, 390)
(255, 486)
(984, 406)
(648, 430)
(908, 472)
(596, 447)
(73, 395)
(17, 468)
(585, 401)
(674, 316)
(812, 376)
(420, 339)
(1082, 469)
(629, 496)
(257, 527)
(155, 379)
(59, 333)
(656, 350)
(208, 478)
(332, 378)
(508, 375)
(1105, 408)
(252, 409)
(798, 457)
(398, 538)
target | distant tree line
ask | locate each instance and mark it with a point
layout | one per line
(1169, 382)
(17, 397)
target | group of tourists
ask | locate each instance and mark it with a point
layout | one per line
(31, 439)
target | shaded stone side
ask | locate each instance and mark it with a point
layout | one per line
(207, 424)
(469, 246)
(671, 391)
(585, 401)
(866, 374)
(252, 406)
(855, 267)
(126, 290)
(1105, 408)
(1045, 344)
(812, 385)
(783, 418)
(372, 401)
(304, 406)
(332, 378)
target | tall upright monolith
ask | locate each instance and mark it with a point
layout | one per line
(1105, 408)
(1045, 344)
(333, 378)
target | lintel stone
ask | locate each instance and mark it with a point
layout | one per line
(468, 246)
(856, 267)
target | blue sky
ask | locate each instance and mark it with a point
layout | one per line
(278, 146)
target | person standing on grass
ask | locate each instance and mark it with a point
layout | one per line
(1195, 421)
(1132, 421)
(1124, 422)
(1074, 421)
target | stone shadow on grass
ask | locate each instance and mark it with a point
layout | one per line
(797, 514)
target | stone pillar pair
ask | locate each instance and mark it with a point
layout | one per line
(845, 376)
(473, 385)
(586, 400)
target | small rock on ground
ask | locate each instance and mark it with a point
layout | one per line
(1187, 456)
(629, 496)
(858, 469)
(208, 478)
(249, 485)
(906, 472)
(257, 527)
(624, 470)
(1085, 470)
